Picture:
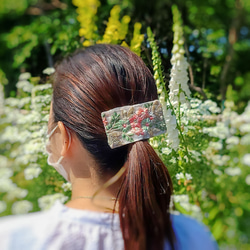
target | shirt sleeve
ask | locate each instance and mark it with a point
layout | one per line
(191, 234)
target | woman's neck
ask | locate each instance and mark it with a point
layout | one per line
(89, 194)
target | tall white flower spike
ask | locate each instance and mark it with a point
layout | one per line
(178, 84)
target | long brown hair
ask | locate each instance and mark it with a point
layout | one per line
(98, 79)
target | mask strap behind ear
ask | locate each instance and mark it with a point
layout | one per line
(52, 131)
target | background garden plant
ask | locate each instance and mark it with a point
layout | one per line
(207, 145)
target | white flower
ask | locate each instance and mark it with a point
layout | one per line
(216, 145)
(12, 102)
(24, 76)
(234, 140)
(183, 198)
(195, 208)
(6, 185)
(45, 202)
(221, 131)
(48, 71)
(211, 106)
(178, 84)
(247, 180)
(32, 171)
(25, 85)
(5, 173)
(244, 128)
(245, 140)
(233, 171)
(3, 162)
(233, 130)
(184, 202)
(25, 159)
(188, 176)
(173, 160)
(42, 87)
(237, 121)
(179, 176)
(195, 103)
(21, 207)
(246, 159)
(17, 193)
(12, 135)
(217, 172)
(172, 132)
(67, 186)
(196, 154)
(19, 103)
(3, 206)
(214, 109)
(217, 160)
(166, 151)
(220, 160)
(33, 146)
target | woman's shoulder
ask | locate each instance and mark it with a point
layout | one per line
(191, 234)
(58, 213)
(56, 227)
(14, 221)
(19, 231)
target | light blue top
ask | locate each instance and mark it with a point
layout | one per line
(72, 229)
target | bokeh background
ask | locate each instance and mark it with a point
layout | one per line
(197, 46)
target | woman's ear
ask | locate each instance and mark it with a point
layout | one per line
(66, 138)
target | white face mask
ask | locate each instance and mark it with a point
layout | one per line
(57, 165)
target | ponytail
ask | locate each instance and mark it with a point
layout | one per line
(144, 200)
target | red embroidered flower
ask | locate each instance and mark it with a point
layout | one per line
(124, 125)
(140, 119)
(135, 125)
(105, 122)
(137, 131)
(133, 118)
(139, 111)
(137, 119)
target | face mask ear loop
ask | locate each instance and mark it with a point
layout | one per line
(60, 159)
(52, 132)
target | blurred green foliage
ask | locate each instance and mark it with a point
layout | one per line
(35, 34)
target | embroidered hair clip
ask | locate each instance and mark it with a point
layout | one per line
(133, 123)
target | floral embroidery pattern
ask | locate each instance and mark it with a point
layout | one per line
(128, 124)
